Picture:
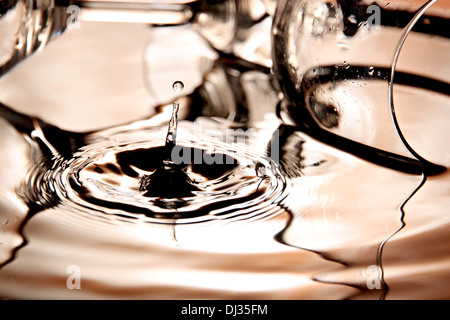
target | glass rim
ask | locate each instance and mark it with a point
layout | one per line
(294, 103)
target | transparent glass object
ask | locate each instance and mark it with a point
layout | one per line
(370, 77)
(231, 26)
(26, 26)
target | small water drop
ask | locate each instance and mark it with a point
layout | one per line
(178, 86)
(343, 46)
(352, 19)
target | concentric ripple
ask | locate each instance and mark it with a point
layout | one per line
(232, 181)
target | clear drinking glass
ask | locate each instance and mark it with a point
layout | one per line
(371, 78)
(26, 26)
(230, 26)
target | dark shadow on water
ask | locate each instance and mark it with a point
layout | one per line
(285, 162)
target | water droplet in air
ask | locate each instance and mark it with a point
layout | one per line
(178, 86)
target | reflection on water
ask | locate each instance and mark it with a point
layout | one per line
(318, 223)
